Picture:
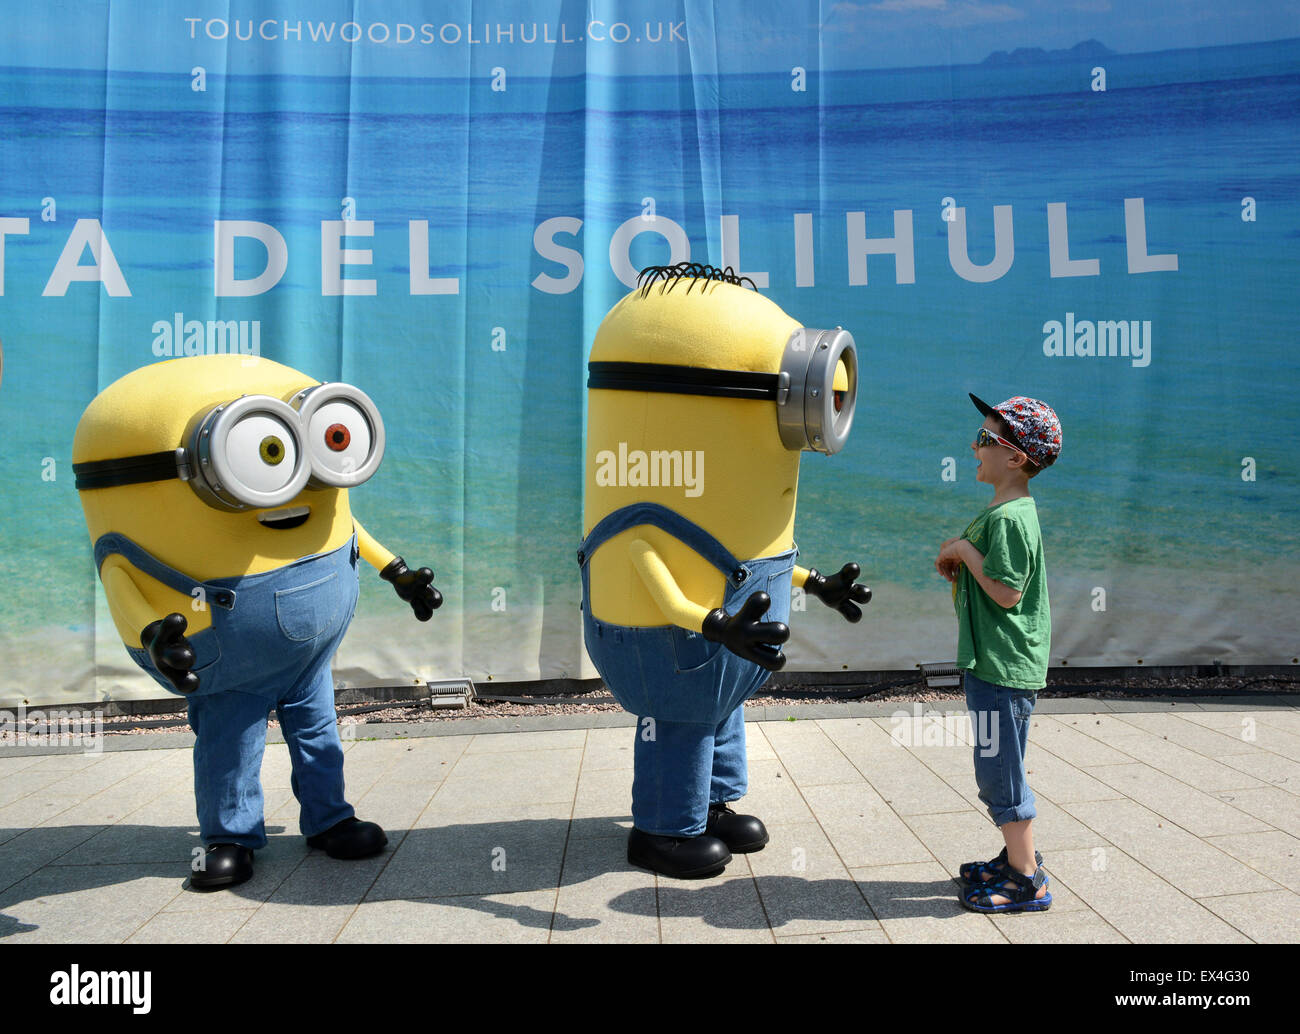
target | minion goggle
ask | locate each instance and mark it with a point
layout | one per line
(811, 413)
(259, 452)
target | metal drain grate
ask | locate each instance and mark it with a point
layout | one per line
(941, 674)
(451, 693)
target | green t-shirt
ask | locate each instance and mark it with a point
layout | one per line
(1006, 646)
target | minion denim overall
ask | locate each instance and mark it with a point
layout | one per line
(693, 752)
(268, 647)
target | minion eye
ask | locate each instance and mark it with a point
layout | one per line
(345, 434)
(338, 437)
(272, 450)
(260, 454)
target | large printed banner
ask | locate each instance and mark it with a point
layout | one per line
(1093, 204)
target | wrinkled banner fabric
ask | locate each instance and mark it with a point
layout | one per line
(439, 208)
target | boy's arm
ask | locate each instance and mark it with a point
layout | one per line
(962, 549)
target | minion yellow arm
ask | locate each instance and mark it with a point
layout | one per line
(800, 576)
(127, 603)
(372, 551)
(664, 588)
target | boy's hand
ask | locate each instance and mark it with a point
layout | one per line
(948, 562)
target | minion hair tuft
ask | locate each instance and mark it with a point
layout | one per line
(671, 276)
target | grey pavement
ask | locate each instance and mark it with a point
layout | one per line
(1159, 823)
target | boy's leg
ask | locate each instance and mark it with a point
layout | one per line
(1000, 727)
(1019, 834)
(1016, 819)
(1000, 723)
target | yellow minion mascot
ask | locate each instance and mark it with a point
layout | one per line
(215, 490)
(702, 395)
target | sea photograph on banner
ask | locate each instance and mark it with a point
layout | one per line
(1094, 204)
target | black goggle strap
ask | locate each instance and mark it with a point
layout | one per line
(131, 470)
(686, 380)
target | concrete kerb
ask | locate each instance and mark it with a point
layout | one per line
(618, 719)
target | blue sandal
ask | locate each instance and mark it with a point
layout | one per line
(982, 872)
(1022, 891)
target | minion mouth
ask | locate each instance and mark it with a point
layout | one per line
(286, 518)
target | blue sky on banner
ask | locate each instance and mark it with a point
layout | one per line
(637, 37)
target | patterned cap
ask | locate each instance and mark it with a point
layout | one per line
(1034, 426)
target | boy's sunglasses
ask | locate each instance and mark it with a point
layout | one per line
(986, 437)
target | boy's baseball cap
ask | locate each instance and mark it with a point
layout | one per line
(1034, 426)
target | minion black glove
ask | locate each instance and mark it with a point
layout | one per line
(840, 590)
(165, 643)
(416, 587)
(744, 635)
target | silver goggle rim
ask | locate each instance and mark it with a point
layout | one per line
(806, 416)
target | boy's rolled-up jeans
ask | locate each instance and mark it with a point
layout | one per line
(1000, 724)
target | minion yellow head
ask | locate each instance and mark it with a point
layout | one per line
(695, 374)
(699, 365)
(224, 465)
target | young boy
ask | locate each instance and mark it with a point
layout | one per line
(1004, 637)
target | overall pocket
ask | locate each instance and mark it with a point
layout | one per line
(691, 651)
(311, 610)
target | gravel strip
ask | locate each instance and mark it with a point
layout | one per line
(1077, 686)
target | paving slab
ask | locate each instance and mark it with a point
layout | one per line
(1269, 769)
(726, 909)
(868, 935)
(1077, 927)
(890, 762)
(181, 928)
(520, 918)
(1061, 781)
(603, 791)
(1274, 854)
(1272, 805)
(1067, 738)
(1164, 823)
(1138, 903)
(613, 748)
(602, 899)
(772, 795)
(1194, 866)
(1190, 730)
(808, 754)
(1271, 917)
(523, 853)
(917, 903)
(1199, 813)
(862, 827)
(103, 905)
(526, 776)
(804, 886)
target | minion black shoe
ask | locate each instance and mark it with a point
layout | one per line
(224, 865)
(350, 838)
(681, 857)
(741, 833)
